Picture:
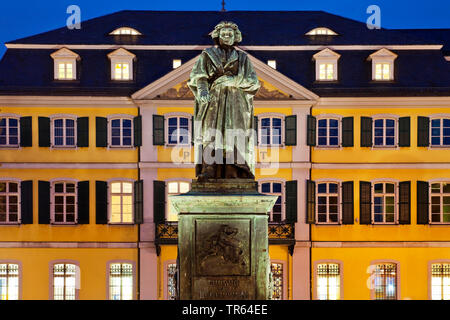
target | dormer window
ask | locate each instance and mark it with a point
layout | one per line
(322, 31)
(383, 65)
(326, 65)
(121, 65)
(125, 31)
(65, 64)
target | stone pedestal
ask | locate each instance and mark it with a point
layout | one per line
(223, 241)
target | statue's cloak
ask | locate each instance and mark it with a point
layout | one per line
(230, 107)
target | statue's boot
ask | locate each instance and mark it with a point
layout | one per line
(208, 172)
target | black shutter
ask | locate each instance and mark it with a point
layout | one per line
(137, 125)
(101, 202)
(404, 203)
(44, 202)
(44, 131)
(423, 131)
(310, 201)
(365, 202)
(83, 202)
(311, 131)
(159, 201)
(366, 132)
(139, 202)
(26, 202)
(347, 132)
(290, 130)
(404, 132)
(101, 132)
(83, 132)
(347, 202)
(255, 127)
(291, 201)
(158, 130)
(422, 202)
(26, 132)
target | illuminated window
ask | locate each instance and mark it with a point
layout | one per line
(440, 202)
(121, 132)
(328, 281)
(176, 63)
(65, 64)
(125, 31)
(121, 64)
(174, 188)
(171, 281)
(321, 32)
(382, 65)
(327, 202)
(326, 65)
(382, 71)
(64, 132)
(178, 130)
(384, 202)
(440, 281)
(384, 132)
(384, 277)
(270, 131)
(277, 280)
(9, 281)
(122, 71)
(440, 132)
(64, 281)
(121, 281)
(275, 188)
(64, 202)
(272, 63)
(121, 194)
(9, 202)
(328, 133)
(326, 71)
(9, 132)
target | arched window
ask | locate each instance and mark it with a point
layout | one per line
(321, 31)
(9, 281)
(384, 280)
(127, 31)
(328, 281)
(121, 281)
(65, 278)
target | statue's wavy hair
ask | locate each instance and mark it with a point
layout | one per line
(226, 24)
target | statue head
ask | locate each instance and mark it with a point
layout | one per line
(226, 33)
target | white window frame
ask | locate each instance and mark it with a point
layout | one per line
(177, 115)
(339, 128)
(121, 180)
(340, 277)
(372, 269)
(440, 117)
(52, 277)
(385, 117)
(8, 116)
(326, 56)
(339, 201)
(284, 277)
(166, 265)
(64, 117)
(383, 56)
(65, 56)
(121, 56)
(19, 276)
(53, 194)
(125, 31)
(441, 195)
(384, 194)
(120, 117)
(321, 31)
(174, 180)
(271, 115)
(430, 277)
(108, 277)
(283, 196)
(19, 206)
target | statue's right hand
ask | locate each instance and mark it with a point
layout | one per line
(204, 96)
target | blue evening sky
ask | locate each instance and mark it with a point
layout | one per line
(23, 18)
